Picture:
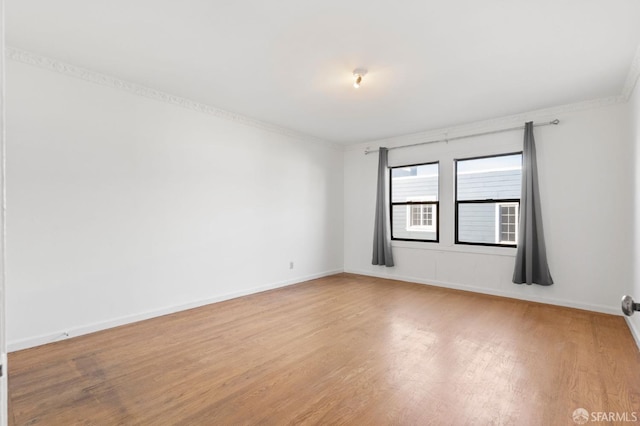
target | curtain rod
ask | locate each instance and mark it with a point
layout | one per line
(550, 123)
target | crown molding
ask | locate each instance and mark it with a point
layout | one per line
(51, 64)
(632, 76)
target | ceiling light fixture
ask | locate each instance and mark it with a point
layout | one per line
(358, 73)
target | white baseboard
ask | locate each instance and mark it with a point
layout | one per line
(103, 325)
(634, 331)
(128, 319)
(475, 289)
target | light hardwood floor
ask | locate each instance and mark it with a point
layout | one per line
(346, 349)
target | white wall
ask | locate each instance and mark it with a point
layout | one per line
(634, 287)
(123, 207)
(585, 172)
(3, 344)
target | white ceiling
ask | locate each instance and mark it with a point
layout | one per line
(289, 62)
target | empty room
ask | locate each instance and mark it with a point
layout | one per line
(322, 212)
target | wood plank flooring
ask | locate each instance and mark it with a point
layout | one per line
(345, 349)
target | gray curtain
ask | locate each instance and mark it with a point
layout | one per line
(531, 257)
(381, 242)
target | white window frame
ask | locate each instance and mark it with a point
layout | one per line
(498, 223)
(434, 212)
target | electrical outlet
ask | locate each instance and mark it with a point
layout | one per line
(291, 265)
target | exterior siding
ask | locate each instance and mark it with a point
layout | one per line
(476, 222)
(409, 188)
(487, 185)
(412, 188)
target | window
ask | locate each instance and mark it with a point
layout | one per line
(488, 200)
(507, 223)
(421, 217)
(414, 202)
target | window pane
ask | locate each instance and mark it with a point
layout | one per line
(508, 223)
(415, 215)
(477, 223)
(414, 183)
(489, 178)
(406, 225)
(487, 223)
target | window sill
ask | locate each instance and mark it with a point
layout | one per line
(440, 247)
